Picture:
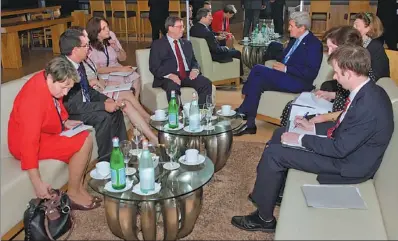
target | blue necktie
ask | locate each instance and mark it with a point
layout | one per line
(84, 82)
(291, 51)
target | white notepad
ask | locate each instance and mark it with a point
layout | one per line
(333, 196)
(113, 88)
(72, 132)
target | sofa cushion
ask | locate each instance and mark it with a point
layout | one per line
(272, 103)
(223, 71)
(299, 222)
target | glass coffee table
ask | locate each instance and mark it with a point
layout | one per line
(179, 202)
(217, 142)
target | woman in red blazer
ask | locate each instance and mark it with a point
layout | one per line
(220, 23)
(36, 121)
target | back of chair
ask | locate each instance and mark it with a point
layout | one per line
(202, 55)
(174, 6)
(97, 6)
(142, 59)
(358, 6)
(325, 72)
(393, 59)
(142, 6)
(118, 5)
(319, 7)
(386, 178)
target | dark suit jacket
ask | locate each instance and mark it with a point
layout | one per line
(361, 139)
(73, 101)
(162, 60)
(305, 62)
(253, 4)
(380, 62)
(218, 52)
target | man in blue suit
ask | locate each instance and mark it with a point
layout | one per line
(294, 73)
(351, 153)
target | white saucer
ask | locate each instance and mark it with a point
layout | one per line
(154, 118)
(213, 118)
(186, 128)
(171, 166)
(200, 160)
(130, 171)
(232, 113)
(109, 188)
(95, 175)
(137, 189)
(167, 128)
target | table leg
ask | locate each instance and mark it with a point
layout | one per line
(11, 51)
(170, 218)
(190, 206)
(148, 220)
(112, 216)
(56, 31)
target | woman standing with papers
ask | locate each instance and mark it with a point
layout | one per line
(36, 121)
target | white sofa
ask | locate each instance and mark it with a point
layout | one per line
(218, 73)
(378, 222)
(16, 188)
(272, 103)
(155, 98)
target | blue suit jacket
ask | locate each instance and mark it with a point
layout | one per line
(360, 140)
(305, 62)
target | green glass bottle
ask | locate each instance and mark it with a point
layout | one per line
(118, 171)
(173, 111)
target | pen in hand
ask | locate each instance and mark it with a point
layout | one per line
(77, 126)
(305, 116)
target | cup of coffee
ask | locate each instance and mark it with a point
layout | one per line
(246, 39)
(225, 109)
(191, 155)
(103, 168)
(160, 114)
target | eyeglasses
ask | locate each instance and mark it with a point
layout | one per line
(179, 26)
(87, 45)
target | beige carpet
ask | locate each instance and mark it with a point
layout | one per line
(224, 196)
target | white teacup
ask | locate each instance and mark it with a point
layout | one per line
(225, 109)
(186, 108)
(160, 114)
(246, 39)
(103, 168)
(191, 155)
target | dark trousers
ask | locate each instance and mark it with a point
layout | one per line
(157, 25)
(201, 84)
(274, 163)
(106, 125)
(262, 79)
(251, 20)
(277, 16)
(233, 53)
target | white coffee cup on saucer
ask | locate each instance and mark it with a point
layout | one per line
(191, 155)
(186, 108)
(225, 109)
(103, 168)
(160, 114)
(245, 39)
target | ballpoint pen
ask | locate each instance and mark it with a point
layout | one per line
(305, 116)
(75, 127)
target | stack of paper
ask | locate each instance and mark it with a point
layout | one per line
(307, 102)
(75, 131)
(113, 88)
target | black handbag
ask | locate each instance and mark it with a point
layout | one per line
(48, 219)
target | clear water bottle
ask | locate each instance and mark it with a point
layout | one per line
(272, 27)
(146, 169)
(194, 114)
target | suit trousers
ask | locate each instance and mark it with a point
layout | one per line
(106, 125)
(277, 16)
(251, 20)
(233, 53)
(157, 24)
(262, 79)
(274, 163)
(201, 84)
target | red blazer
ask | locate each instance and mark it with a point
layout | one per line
(217, 24)
(33, 118)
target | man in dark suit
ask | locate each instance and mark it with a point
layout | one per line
(298, 67)
(351, 153)
(387, 11)
(219, 53)
(158, 12)
(252, 13)
(86, 104)
(173, 64)
(277, 15)
(198, 4)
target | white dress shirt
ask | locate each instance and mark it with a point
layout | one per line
(171, 41)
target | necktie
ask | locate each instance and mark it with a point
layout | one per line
(181, 67)
(332, 129)
(291, 51)
(84, 82)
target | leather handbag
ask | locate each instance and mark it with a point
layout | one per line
(48, 219)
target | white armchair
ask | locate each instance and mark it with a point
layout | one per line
(155, 98)
(218, 73)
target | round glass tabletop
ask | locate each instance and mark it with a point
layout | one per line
(219, 124)
(176, 183)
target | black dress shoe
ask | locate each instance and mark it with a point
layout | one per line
(253, 222)
(246, 131)
(244, 116)
(277, 203)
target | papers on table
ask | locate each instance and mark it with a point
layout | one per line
(75, 131)
(113, 88)
(333, 196)
(308, 102)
